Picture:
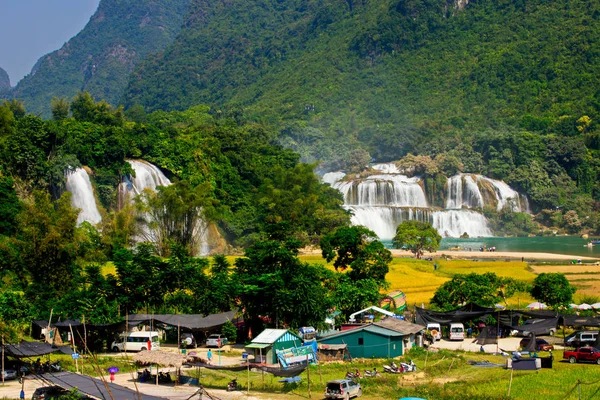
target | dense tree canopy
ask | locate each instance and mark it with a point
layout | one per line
(417, 237)
(485, 290)
(552, 289)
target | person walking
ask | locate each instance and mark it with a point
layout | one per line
(209, 355)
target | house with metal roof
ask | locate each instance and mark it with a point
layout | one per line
(265, 346)
(387, 338)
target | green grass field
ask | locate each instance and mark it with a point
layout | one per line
(441, 375)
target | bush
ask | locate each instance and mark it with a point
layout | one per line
(230, 331)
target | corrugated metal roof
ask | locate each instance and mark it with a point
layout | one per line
(380, 330)
(96, 387)
(257, 345)
(399, 325)
(269, 336)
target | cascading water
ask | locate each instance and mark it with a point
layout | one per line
(82, 196)
(454, 223)
(148, 176)
(382, 201)
(383, 190)
(475, 191)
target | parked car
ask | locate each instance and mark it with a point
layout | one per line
(9, 374)
(540, 344)
(216, 340)
(581, 338)
(435, 329)
(136, 341)
(188, 340)
(342, 389)
(582, 354)
(548, 331)
(54, 392)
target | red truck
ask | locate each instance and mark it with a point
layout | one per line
(583, 354)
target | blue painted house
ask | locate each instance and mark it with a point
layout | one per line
(265, 346)
(387, 338)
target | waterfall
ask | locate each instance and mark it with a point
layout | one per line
(389, 168)
(465, 190)
(149, 176)
(82, 196)
(387, 198)
(383, 190)
(453, 223)
(384, 220)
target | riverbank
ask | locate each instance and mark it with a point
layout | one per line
(487, 255)
(508, 255)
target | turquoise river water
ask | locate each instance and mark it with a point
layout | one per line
(572, 245)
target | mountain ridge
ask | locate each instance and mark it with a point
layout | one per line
(100, 58)
(4, 81)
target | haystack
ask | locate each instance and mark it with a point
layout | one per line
(163, 358)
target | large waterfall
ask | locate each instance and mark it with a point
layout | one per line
(82, 196)
(387, 198)
(148, 176)
(475, 191)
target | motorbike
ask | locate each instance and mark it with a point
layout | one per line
(409, 367)
(164, 377)
(403, 367)
(393, 369)
(371, 374)
(49, 367)
(353, 375)
(232, 385)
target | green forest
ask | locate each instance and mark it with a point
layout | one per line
(231, 173)
(241, 103)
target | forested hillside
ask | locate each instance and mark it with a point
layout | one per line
(100, 58)
(505, 88)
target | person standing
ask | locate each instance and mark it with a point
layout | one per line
(209, 355)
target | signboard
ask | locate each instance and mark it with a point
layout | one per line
(75, 356)
(244, 355)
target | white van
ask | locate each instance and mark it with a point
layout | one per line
(136, 341)
(435, 329)
(457, 331)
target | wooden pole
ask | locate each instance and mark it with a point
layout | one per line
(85, 349)
(308, 376)
(262, 370)
(248, 363)
(510, 383)
(320, 374)
(48, 329)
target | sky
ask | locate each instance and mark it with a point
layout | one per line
(30, 29)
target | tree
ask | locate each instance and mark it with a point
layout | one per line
(275, 286)
(175, 214)
(552, 289)
(60, 108)
(357, 248)
(308, 208)
(417, 236)
(482, 289)
(9, 206)
(46, 248)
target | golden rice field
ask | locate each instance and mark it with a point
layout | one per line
(419, 280)
(585, 277)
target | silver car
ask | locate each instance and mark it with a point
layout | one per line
(342, 389)
(9, 374)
